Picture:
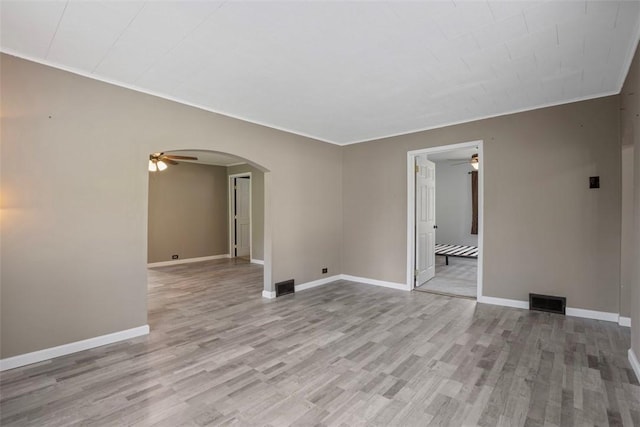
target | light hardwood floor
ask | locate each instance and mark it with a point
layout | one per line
(459, 278)
(341, 354)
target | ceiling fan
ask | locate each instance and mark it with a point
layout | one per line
(474, 162)
(158, 161)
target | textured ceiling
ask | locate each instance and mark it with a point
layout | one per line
(341, 72)
(453, 155)
(209, 157)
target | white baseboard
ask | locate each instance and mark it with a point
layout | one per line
(624, 321)
(257, 261)
(269, 294)
(303, 286)
(187, 260)
(633, 361)
(592, 314)
(316, 283)
(330, 279)
(504, 302)
(575, 312)
(375, 282)
(73, 347)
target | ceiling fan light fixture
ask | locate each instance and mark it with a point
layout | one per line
(152, 166)
(161, 165)
(475, 161)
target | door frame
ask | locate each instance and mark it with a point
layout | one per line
(232, 224)
(411, 206)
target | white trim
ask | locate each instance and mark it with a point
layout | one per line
(411, 192)
(316, 283)
(305, 286)
(187, 260)
(411, 220)
(231, 212)
(624, 321)
(331, 279)
(269, 294)
(74, 347)
(257, 261)
(375, 282)
(480, 219)
(504, 302)
(633, 361)
(592, 314)
(268, 230)
(575, 312)
(236, 164)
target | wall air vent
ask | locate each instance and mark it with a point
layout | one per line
(547, 303)
(284, 288)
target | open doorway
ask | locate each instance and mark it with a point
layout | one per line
(240, 224)
(189, 207)
(445, 220)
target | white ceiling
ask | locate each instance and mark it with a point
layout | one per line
(341, 72)
(460, 154)
(209, 157)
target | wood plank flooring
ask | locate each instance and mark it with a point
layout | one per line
(459, 278)
(342, 354)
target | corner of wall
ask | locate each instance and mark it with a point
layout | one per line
(633, 361)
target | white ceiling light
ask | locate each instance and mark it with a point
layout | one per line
(475, 161)
(338, 71)
(156, 165)
(158, 161)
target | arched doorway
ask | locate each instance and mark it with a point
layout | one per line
(190, 208)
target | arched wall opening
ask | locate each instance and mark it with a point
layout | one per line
(189, 211)
(75, 247)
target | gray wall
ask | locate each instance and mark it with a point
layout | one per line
(453, 205)
(75, 189)
(75, 193)
(188, 212)
(630, 135)
(544, 229)
(627, 260)
(257, 208)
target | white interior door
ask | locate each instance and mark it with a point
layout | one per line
(425, 219)
(243, 216)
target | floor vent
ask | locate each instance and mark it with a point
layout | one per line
(547, 303)
(284, 288)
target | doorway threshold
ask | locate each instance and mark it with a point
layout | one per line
(445, 294)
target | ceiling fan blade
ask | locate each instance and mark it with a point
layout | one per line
(171, 156)
(171, 162)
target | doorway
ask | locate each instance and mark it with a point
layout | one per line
(194, 211)
(240, 221)
(444, 219)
